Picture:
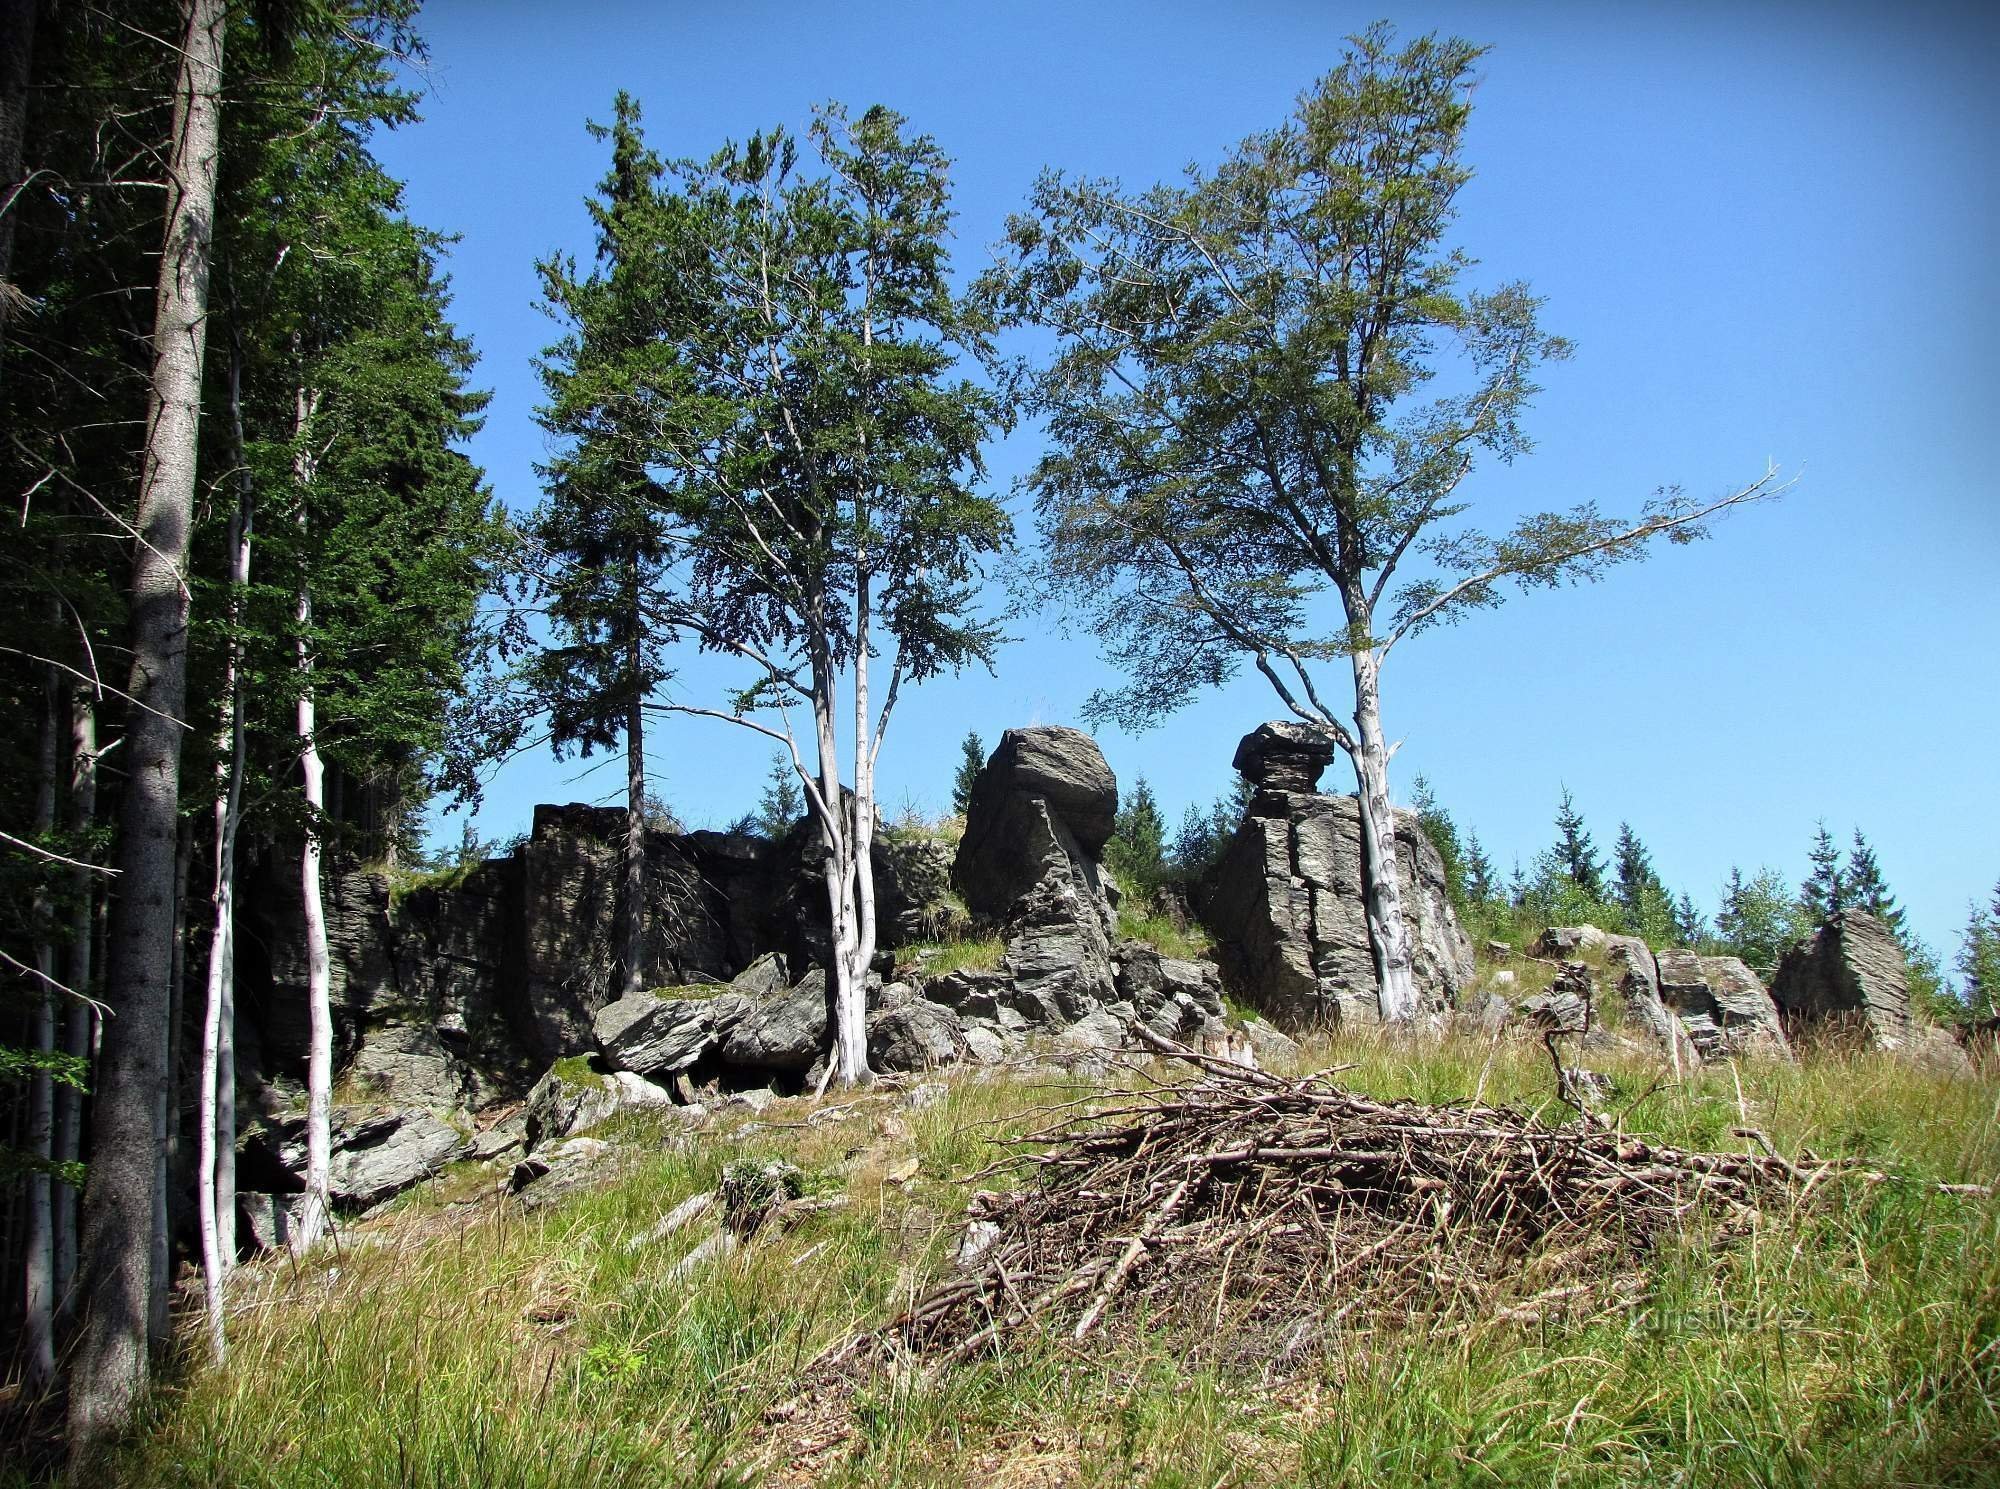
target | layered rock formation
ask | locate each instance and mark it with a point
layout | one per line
(1850, 979)
(1287, 902)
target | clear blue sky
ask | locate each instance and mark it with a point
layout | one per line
(1771, 230)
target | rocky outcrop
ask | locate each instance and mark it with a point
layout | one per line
(1287, 906)
(1721, 1004)
(1634, 976)
(1040, 813)
(1850, 979)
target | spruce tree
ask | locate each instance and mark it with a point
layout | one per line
(1689, 926)
(1978, 959)
(972, 760)
(782, 803)
(1574, 857)
(599, 542)
(1647, 906)
(1442, 834)
(1481, 879)
(1866, 889)
(1824, 893)
(1137, 850)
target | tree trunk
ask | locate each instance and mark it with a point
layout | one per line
(79, 1016)
(634, 937)
(38, 1323)
(851, 1017)
(17, 50)
(112, 1366)
(167, 1177)
(217, 1256)
(1388, 930)
(319, 975)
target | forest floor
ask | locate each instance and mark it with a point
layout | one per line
(455, 1339)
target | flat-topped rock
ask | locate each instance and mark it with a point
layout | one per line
(1284, 756)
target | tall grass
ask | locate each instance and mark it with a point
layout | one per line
(1855, 1341)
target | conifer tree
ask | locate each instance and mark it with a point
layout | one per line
(1978, 959)
(1758, 918)
(1824, 893)
(1442, 833)
(1690, 928)
(1865, 888)
(972, 760)
(1647, 906)
(600, 539)
(1482, 881)
(1574, 857)
(781, 805)
(1136, 852)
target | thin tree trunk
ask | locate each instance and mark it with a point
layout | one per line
(315, 1213)
(1388, 930)
(112, 1365)
(79, 1017)
(851, 1017)
(17, 50)
(167, 1106)
(634, 937)
(39, 1321)
(218, 1255)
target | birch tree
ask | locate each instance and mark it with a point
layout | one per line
(111, 1365)
(1243, 466)
(824, 452)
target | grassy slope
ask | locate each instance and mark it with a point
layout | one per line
(469, 1344)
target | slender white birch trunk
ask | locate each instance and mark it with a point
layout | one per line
(1388, 929)
(851, 1019)
(216, 1259)
(634, 937)
(315, 1214)
(112, 1363)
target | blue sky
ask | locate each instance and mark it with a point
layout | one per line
(1770, 230)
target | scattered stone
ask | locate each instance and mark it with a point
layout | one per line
(549, 1176)
(573, 1098)
(909, 1033)
(1270, 1044)
(655, 1036)
(503, 1137)
(926, 1095)
(1499, 951)
(1567, 940)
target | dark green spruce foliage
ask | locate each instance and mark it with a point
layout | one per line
(782, 804)
(1202, 837)
(1137, 850)
(1824, 893)
(1442, 833)
(356, 400)
(1647, 907)
(1978, 959)
(1482, 883)
(1867, 889)
(972, 760)
(599, 544)
(1574, 857)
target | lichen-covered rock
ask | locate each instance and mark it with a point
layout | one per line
(1286, 907)
(656, 1036)
(1721, 1004)
(1041, 811)
(381, 1151)
(1851, 979)
(910, 1033)
(784, 1032)
(407, 1064)
(1634, 976)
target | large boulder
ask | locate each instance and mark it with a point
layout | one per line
(784, 1032)
(1176, 999)
(1041, 810)
(1850, 978)
(910, 1033)
(1721, 1005)
(1286, 903)
(1635, 976)
(573, 1097)
(380, 1152)
(407, 1064)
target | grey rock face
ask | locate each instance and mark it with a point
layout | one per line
(1175, 999)
(406, 1063)
(1567, 940)
(1284, 756)
(1635, 978)
(909, 1033)
(1041, 810)
(1850, 978)
(656, 1036)
(785, 1032)
(379, 1152)
(1721, 1005)
(1287, 911)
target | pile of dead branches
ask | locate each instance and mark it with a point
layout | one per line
(1244, 1207)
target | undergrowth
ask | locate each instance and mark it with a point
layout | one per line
(1853, 1343)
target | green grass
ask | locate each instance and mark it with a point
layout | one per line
(969, 954)
(1163, 933)
(1854, 1343)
